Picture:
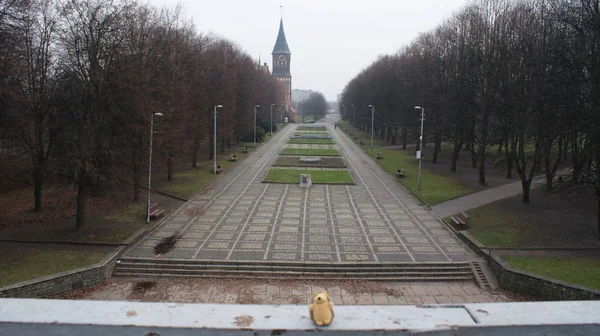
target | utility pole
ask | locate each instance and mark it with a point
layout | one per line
(255, 107)
(420, 145)
(150, 163)
(372, 123)
(215, 139)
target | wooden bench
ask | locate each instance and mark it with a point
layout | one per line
(245, 150)
(379, 156)
(460, 219)
(155, 211)
(400, 173)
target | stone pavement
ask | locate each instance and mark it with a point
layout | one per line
(195, 290)
(240, 218)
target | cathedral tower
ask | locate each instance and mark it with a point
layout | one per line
(282, 58)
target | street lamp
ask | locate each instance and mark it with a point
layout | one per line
(372, 123)
(255, 107)
(215, 139)
(150, 162)
(420, 152)
(272, 119)
(353, 115)
(281, 114)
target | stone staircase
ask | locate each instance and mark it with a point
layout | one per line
(386, 271)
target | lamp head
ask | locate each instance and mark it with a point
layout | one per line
(219, 106)
(417, 107)
(158, 114)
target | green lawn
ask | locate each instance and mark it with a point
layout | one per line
(311, 141)
(495, 227)
(310, 132)
(583, 272)
(317, 176)
(316, 151)
(305, 128)
(435, 188)
(186, 183)
(20, 265)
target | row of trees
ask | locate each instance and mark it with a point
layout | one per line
(314, 105)
(520, 75)
(80, 79)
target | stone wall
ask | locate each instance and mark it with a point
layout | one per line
(64, 281)
(537, 285)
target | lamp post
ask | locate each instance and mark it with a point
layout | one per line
(344, 111)
(372, 123)
(281, 114)
(420, 145)
(353, 115)
(150, 162)
(215, 139)
(255, 107)
(272, 119)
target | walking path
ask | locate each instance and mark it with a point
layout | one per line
(487, 196)
(243, 219)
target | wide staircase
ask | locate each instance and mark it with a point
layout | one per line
(392, 271)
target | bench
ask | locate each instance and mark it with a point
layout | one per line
(460, 219)
(245, 150)
(361, 142)
(400, 173)
(155, 211)
(379, 156)
(233, 158)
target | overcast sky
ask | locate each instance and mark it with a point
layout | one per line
(330, 40)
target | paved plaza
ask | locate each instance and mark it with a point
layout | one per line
(289, 292)
(241, 218)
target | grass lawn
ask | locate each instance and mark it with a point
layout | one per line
(307, 151)
(310, 132)
(317, 176)
(435, 189)
(311, 141)
(364, 136)
(579, 271)
(20, 265)
(308, 128)
(186, 183)
(494, 227)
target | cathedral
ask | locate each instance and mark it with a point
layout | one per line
(282, 58)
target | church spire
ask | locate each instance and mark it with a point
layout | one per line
(281, 46)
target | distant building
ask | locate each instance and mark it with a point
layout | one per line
(282, 57)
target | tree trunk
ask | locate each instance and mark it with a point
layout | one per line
(473, 156)
(482, 164)
(195, 148)
(526, 186)
(437, 148)
(394, 136)
(228, 142)
(222, 145)
(170, 168)
(404, 137)
(455, 154)
(509, 159)
(382, 132)
(80, 212)
(37, 192)
(136, 180)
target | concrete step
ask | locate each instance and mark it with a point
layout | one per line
(329, 269)
(390, 271)
(242, 276)
(159, 271)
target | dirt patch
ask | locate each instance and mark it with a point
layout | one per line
(293, 161)
(142, 286)
(166, 244)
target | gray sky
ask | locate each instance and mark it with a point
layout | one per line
(330, 40)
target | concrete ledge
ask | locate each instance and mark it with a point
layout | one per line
(58, 317)
(64, 281)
